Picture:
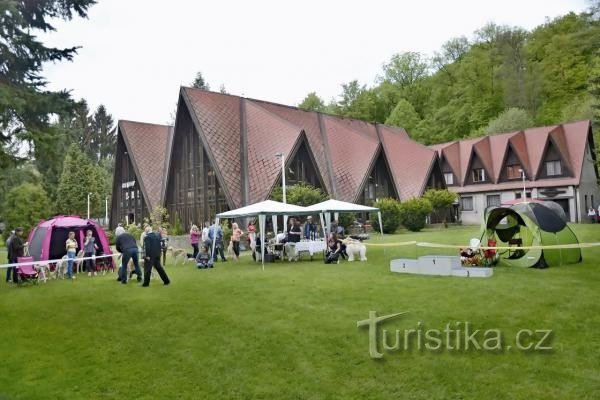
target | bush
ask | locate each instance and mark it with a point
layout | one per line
(441, 200)
(110, 235)
(177, 226)
(346, 220)
(390, 214)
(25, 206)
(134, 230)
(301, 194)
(413, 213)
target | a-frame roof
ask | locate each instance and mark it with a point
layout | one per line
(410, 162)
(530, 146)
(147, 147)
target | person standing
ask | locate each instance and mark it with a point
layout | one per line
(89, 251)
(71, 247)
(236, 236)
(15, 250)
(592, 215)
(119, 229)
(309, 229)
(128, 248)
(215, 233)
(164, 244)
(205, 238)
(194, 239)
(152, 258)
(295, 232)
(251, 236)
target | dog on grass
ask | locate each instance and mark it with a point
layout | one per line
(355, 248)
(180, 255)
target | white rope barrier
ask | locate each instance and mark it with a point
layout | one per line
(549, 247)
(46, 262)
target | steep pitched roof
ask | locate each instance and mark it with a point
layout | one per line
(267, 136)
(218, 117)
(147, 146)
(410, 162)
(309, 122)
(352, 153)
(570, 140)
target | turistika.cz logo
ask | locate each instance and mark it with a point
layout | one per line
(455, 336)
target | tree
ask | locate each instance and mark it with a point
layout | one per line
(301, 194)
(15, 176)
(104, 133)
(441, 200)
(390, 214)
(25, 107)
(512, 119)
(404, 69)
(79, 177)
(413, 213)
(25, 206)
(222, 89)
(312, 102)
(200, 83)
(404, 115)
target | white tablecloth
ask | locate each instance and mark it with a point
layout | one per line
(312, 246)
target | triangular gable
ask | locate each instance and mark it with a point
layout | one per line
(451, 155)
(557, 136)
(352, 154)
(465, 153)
(518, 144)
(536, 139)
(309, 122)
(217, 120)
(410, 162)
(498, 150)
(146, 146)
(267, 136)
(483, 150)
(579, 136)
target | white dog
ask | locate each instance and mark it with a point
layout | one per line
(355, 248)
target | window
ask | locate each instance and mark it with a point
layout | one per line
(449, 178)
(493, 200)
(466, 203)
(518, 195)
(478, 175)
(513, 171)
(553, 168)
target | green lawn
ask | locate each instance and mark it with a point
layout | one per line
(289, 332)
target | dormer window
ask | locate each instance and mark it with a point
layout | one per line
(553, 168)
(513, 171)
(478, 175)
(449, 178)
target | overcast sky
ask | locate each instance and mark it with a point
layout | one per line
(136, 53)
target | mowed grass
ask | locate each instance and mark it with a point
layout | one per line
(289, 332)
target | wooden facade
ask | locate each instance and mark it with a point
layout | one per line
(194, 194)
(128, 203)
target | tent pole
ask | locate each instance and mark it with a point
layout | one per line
(380, 224)
(262, 219)
(214, 239)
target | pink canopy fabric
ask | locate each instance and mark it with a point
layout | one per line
(40, 238)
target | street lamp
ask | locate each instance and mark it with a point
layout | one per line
(282, 173)
(522, 171)
(88, 204)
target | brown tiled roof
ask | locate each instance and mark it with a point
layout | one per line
(309, 122)
(529, 145)
(267, 136)
(219, 119)
(147, 147)
(352, 153)
(344, 149)
(410, 162)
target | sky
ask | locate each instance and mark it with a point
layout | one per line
(135, 54)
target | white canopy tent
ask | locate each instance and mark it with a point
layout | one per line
(327, 207)
(262, 210)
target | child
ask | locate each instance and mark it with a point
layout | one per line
(203, 259)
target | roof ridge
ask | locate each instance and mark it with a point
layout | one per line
(357, 131)
(143, 123)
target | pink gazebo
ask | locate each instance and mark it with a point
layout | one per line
(47, 239)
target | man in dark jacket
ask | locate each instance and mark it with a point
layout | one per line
(152, 258)
(15, 250)
(127, 246)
